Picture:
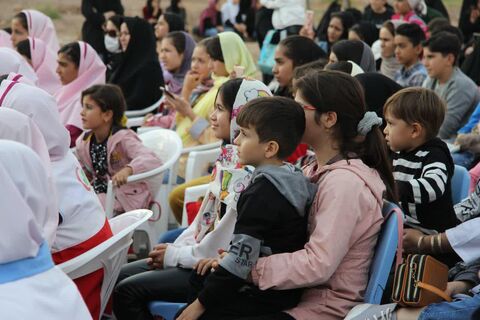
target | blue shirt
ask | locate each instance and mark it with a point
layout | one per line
(411, 77)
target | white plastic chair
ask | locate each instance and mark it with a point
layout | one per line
(109, 255)
(192, 194)
(199, 161)
(134, 122)
(142, 112)
(167, 145)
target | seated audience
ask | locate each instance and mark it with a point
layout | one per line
(404, 11)
(210, 20)
(107, 150)
(31, 286)
(408, 51)
(79, 67)
(13, 62)
(449, 82)
(238, 16)
(139, 74)
(377, 12)
(389, 64)
(33, 23)
(113, 56)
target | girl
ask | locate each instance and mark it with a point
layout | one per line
(356, 51)
(138, 283)
(211, 19)
(404, 12)
(389, 64)
(152, 11)
(12, 61)
(29, 277)
(79, 67)
(351, 163)
(139, 74)
(109, 151)
(82, 223)
(168, 22)
(43, 60)
(293, 52)
(35, 24)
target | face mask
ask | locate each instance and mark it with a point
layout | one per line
(112, 44)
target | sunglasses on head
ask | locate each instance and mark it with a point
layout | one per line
(111, 33)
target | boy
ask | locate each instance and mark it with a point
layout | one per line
(272, 213)
(449, 82)
(422, 164)
(377, 12)
(408, 48)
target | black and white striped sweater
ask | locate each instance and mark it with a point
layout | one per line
(423, 178)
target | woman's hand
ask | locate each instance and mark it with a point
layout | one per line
(157, 255)
(180, 105)
(193, 311)
(307, 32)
(121, 177)
(410, 240)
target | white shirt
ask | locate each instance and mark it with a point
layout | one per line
(286, 12)
(465, 239)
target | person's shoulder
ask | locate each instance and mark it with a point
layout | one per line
(461, 81)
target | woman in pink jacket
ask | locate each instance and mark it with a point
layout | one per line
(110, 151)
(352, 172)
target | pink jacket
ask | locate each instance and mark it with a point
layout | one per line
(343, 224)
(124, 148)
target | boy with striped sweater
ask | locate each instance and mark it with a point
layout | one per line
(422, 164)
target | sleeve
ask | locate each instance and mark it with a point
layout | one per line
(255, 216)
(465, 239)
(472, 122)
(274, 4)
(91, 14)
(417, 80)
(432, 183)
(469, 208)
(469, 273)
(458, 102)
(143, 159)
(74, 132)
(326, 248)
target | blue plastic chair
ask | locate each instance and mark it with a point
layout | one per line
(460, 184)
(384, 253)
(165, 310)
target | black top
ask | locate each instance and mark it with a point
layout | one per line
(93, 11)
(377, 18)
(267, 224)
(98, 154)
(423, 178)
(139, 73)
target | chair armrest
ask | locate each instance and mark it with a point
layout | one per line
(142, 112)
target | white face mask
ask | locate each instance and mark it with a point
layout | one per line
(112, 44)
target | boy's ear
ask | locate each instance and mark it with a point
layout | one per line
(418, 49)
(271, 149)
(417, 130)
(451, 59)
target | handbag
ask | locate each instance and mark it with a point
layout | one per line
(420, 281)
(266, 59)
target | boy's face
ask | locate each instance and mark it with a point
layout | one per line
(436, 63)
(406, 53)
(398, 133)
(250, 150)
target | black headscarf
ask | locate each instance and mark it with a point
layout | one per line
(378, 88)
(356, 51)
(367, 30)
(175, 22)
(139, 73)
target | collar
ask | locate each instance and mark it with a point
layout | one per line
(27, 267)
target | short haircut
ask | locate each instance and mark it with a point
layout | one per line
(418, 105)
(444, 42)
(412, 31)
(313, 66)
(108, 97)
(276, 119)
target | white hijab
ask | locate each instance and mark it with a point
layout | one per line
(25, 210)
(230, 11)
(12, 61)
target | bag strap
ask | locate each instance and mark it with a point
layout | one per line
(399, 215)
(434, 290)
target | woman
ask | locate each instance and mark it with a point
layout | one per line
(33, 23)
(364, 31)
(43, 61)
(96, 12)
(139, 75)
(138, 283)
(12, 61)
(112, 44)
(82, 223)
(168, 22)
(29, 277)
(351, 163)
(389, 64)
(152, 11)
(177, 8)
(210, 20)
(79, 67)
(356, 51)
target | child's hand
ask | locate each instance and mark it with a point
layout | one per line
(193, 311)
(181, 106)
(192, 80)
(457, 287)
(221, 254)
(204, 265)
(121, 177)
(410, 240)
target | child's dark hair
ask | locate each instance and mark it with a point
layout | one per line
(229, 91)
(72, 51)
(333, 91)
(445, 43)
(214, 49)
(450, 29)
(342, 66)
(436, 24)
(22, 18)
(301, 50)
(367, 31)
(313, 66)
(178, 40)
(420, 105)
(412, 31)
(275, 119)
(117, 20)
(23, 47)
(108, 97)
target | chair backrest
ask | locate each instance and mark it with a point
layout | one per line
(144, 111)
(109, 255)
(198, 163)
(460, 184)
(384, 254)
(192, 194)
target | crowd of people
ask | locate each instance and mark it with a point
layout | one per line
(369, 107)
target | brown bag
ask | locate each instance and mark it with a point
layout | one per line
(420, 281)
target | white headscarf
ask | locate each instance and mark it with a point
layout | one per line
(419, 6)
(12, 61)
(230, 11)
(23, 197)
